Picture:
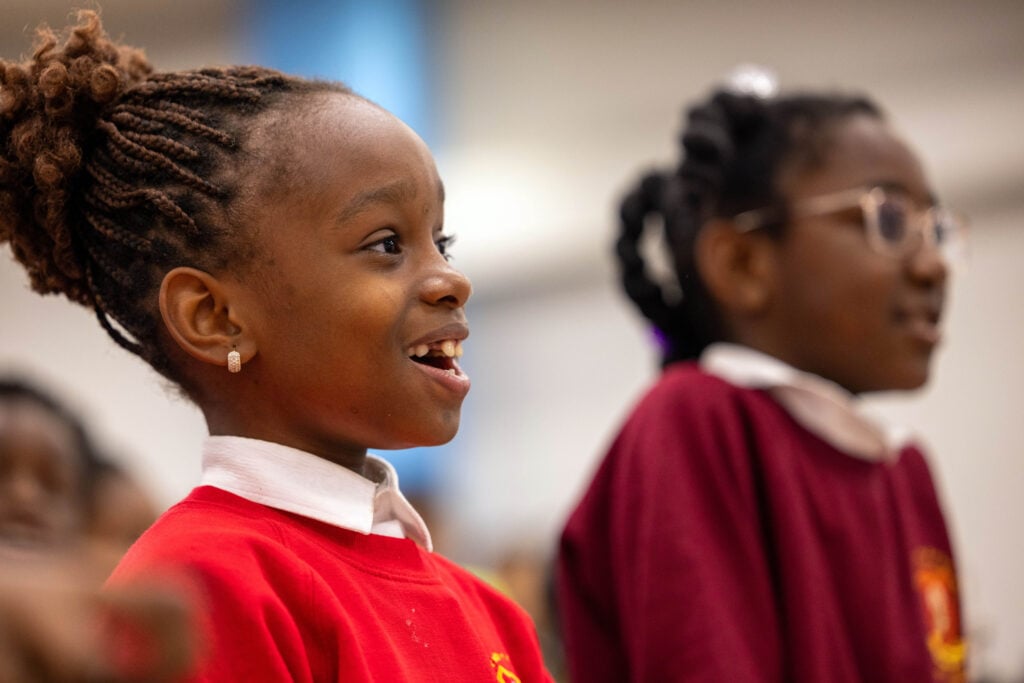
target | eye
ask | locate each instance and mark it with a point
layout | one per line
(892, 221)
(444, 244)
(387, 245)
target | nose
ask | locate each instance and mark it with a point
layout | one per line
(23, 490)
(446, 285)
(927, 265)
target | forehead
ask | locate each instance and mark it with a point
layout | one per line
(26, 426)
(859, 151)
(336, 143)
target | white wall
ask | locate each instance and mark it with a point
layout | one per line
(550, 108)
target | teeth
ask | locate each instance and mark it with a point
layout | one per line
(449, 348)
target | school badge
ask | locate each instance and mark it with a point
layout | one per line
(936, 585)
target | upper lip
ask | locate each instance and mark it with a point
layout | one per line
(930, 309)
(456, 331)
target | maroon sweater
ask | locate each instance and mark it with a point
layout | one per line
(720, 541)
(291, 599)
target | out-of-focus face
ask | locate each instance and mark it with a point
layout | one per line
(865, 320)
(41, 471)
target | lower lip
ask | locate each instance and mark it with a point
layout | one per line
(924, 331)
(457, 383)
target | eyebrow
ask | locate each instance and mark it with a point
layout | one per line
(393, 193)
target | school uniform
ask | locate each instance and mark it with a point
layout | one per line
(750, 524)
(309, 572)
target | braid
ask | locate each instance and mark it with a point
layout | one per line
(111, 175)
(733, 149)
(642, 203)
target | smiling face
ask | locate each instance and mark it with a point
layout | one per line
(355, 311)
(864, 320)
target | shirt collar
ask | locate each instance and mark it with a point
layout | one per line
(288, 479)
(822, 407)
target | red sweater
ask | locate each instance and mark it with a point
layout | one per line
(721, 541)
(292, 599)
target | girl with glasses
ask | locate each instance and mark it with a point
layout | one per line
(749, 523)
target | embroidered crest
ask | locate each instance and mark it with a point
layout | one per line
(502, 666)
(936, 584)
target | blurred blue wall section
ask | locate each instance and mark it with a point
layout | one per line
(382, 49)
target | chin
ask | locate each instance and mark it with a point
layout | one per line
(910, 379)
(435, 435)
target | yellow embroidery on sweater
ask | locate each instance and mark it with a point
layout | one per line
(502, 667)
(936, 584)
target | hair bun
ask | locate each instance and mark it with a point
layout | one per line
(50, 106)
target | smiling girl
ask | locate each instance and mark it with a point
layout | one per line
(749, 523)
(275, 246)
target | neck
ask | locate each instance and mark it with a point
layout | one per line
(350, 456)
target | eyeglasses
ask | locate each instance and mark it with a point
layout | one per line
(894, 224)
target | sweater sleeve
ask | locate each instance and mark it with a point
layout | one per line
(664, 573)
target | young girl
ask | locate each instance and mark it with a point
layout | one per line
(749, 523)
(276, 247)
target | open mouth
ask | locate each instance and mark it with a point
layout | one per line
(440, 355)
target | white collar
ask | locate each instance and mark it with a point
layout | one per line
(821, 406)
(288, 479)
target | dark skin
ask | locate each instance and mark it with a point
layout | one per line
(819, 298)
(350, 275)
(41, 489)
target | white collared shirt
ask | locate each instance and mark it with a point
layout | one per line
(288, 479)
(822, 407)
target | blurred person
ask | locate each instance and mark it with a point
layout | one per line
(275, 246)
(749, 523)
(56, 626)
(47, 468)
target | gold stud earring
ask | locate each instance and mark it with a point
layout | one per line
(234, 361)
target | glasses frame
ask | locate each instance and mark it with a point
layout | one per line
(923, 226)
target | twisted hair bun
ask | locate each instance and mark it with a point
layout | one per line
(49, 109)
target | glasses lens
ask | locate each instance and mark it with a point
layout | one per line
(945, 227)
(950, 232)
(892, 221)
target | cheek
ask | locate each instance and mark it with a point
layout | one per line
(845, 290)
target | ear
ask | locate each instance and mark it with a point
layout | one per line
(737, 267)
(201, 317)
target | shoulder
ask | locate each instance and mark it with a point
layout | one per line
(686, 390)
(492, 611)
(479, 593)
(691, 434)
(689, 408)
(210, 533)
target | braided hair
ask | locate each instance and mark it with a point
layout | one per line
(111, 174)
(735, 147)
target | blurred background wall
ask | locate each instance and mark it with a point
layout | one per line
(540, 115)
